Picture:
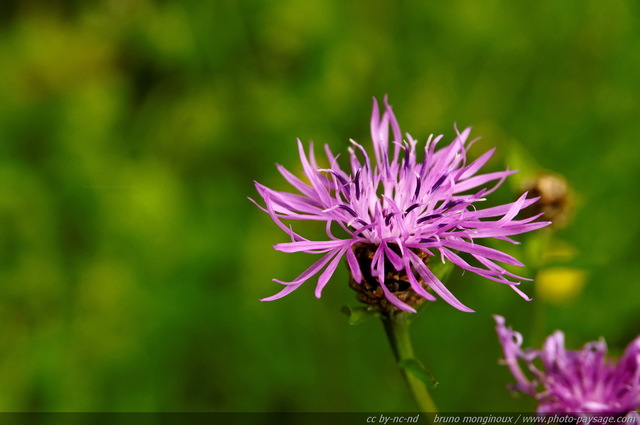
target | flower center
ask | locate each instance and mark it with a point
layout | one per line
(369, 291)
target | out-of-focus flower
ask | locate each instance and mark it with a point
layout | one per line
(574, 381)
(559, 285)
(395, 211)
(556, 198)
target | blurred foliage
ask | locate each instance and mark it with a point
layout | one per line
(131, 262)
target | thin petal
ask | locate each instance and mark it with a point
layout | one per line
(415, 285)
(513, 211)
(511, 342)
(378, 263)
(481, 179)
(472, 168)
(296, 182)
(435, 284)
(304, 276)
(354, 266)
(328, 272)
(484, 251)
(286, 291)
(499, 210)
(310, 246)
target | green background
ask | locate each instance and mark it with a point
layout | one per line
(132, 262)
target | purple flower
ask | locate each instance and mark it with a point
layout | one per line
(402, 209)
(574, 381)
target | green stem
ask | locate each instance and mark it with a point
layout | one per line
(396, 326)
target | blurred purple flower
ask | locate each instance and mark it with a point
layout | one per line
(402, 209)
(574, 381)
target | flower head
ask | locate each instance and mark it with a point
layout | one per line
(396, 211)
(574, 381)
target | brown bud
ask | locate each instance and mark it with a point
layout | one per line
(556, 199)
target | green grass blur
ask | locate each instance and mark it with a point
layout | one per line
(131, 261)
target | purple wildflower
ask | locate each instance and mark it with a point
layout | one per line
(402, 209)
(574, 381)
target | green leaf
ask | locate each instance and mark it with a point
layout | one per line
(358, 314)
(414, 367)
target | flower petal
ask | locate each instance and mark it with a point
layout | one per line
(328, 272)
(511, 342)
(433, 282)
